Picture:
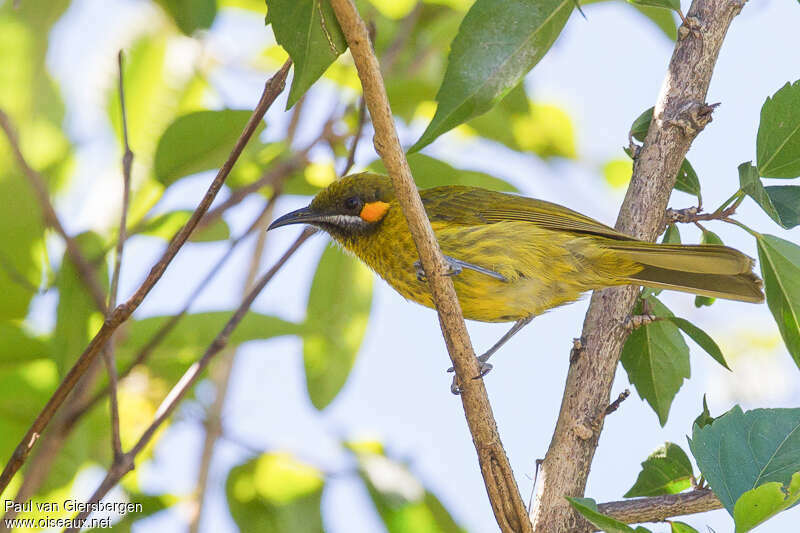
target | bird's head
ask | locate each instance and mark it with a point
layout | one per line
(352, 206)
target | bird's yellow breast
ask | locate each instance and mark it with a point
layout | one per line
(542, 268)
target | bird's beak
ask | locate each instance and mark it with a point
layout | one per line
(301, 216)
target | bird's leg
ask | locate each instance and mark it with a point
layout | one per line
(456, 266)
(484, 366)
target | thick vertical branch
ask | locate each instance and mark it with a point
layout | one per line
(680, 113)
(508, 507)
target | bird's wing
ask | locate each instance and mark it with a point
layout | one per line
(471, 205)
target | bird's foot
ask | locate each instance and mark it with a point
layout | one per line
(452, 269)
(483, 369)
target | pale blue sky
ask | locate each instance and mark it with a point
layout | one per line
(603, 71)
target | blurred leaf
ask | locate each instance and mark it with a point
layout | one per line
(704, 418)
(680, 527)
(785, 200)
(151, 504)
(309, 32)
(275, 493)
(430, 172)
(498, 42)
(702, 339)
(19, 346)
(666, 4)
(765, 501)
(190, 15)
(588, 508)
(662, 18)
(741, 451)
(780, 268)
(77, 316)
(166, 225)
(198, 141)
(252, 5)
(192, 335)
(656, 358)
(778, 141)
(338, 309)
(400, 499)
(708, 237)
(666, 471)
(617, 172)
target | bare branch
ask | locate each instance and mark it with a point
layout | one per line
(679, 115)
(39, 184)
(659, 508)
(508, 507)
(125, 463)
(122, 312)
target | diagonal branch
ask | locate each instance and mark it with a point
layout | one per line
(39, 184)
(122, 312)
(508, 507)
(125, 463)
(680, 114)
(659, 508)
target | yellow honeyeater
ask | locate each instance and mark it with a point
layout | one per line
(515, 257)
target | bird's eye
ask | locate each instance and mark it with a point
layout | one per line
(353, 203)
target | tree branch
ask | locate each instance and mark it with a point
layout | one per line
(659, 508)
(39, 184)
(508, 507)
(122, 312)
(680, 113)
(125, 463)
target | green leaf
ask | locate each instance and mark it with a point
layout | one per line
(664, 19)
(191, 336)
(19, 346)
(672, 235)
(778, 140)
(704, 418)
(337, 314)
(761, 503)
(785, 200)
(656, 358)
(675, 5)
(741, 451)
(198, 141)
(588, 508)
(666, 471)
(702, 338)
(77, 315)
(275, 493)
(430, 172)
(751, 185)
(402, 502)
(780, 268)
(687, 180)
(498, 42)
(166, 225)
(641, 124)
(190, 15)
(310, 34)
(708, 237)
(680, 527)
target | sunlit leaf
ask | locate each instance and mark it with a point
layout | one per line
(498, 42)
(275, 493)
(166, 225)
(778, 141)
(780, 268)
(309, 31)
(666, 471)
(19, 345)
(765, 501)
(681, 527)
(617, 172)
(336, 320)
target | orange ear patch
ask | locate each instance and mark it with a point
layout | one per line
(374, 211)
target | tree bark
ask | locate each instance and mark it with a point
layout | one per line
(680, 114)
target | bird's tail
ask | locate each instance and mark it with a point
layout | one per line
(704, 269)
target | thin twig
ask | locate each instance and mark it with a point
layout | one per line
(125, 463)
(39, 184)
(507, 504)
(294, 121)
(659, 508)
(351, 156)
(122, 312)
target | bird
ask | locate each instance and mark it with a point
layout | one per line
(512, 257)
